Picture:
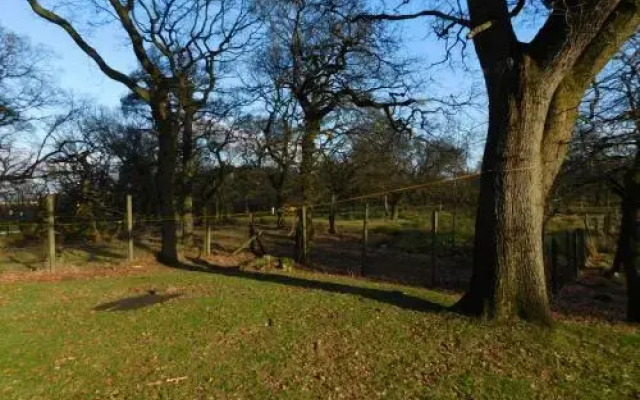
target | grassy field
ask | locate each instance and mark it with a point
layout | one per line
(243, 335)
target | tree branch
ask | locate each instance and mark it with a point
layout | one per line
(87, 49)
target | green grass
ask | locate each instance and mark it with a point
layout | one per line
(300, 336)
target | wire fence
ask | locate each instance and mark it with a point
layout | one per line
(425, 236)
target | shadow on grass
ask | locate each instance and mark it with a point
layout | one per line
(394, 297)
(136, 302)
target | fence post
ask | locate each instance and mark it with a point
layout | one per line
(434, 240)
(51, 232)
(207, 234)
(386, 207)
(365, 239)
(554, 265)
(568, 248)
(303, 247)
(130, 227)
(580, 249)
(453, 230)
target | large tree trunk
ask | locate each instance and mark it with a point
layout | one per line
(307, 163)
(630, 239)
(167, 140)
(508, 273)
(188, 173)
(308, 184)
(533, 92)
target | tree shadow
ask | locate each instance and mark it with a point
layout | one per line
(393, 297)
(136, 302)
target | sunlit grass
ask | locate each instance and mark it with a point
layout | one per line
(296, 336)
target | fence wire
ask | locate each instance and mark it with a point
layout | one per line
(419, 234)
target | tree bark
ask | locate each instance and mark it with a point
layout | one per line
(533, 91)
(167, 141)
(630, 238)
(508, 273)
(307, 163)
(332, 215)
(280, 210)
(307, 180)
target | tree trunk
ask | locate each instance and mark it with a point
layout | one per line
(307, 163)
(188, 173)
(307, 180)
(332, 215)
(280, 196)
(167, 140)
(508, 272)
(394, 202)
(616, 265)
(630, 238)
(533, 94)
(280, 208)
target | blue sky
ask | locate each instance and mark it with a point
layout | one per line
(74, 69)
(78, 73)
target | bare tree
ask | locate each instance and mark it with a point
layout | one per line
(177, 45)
(326, 64)
(30, 108)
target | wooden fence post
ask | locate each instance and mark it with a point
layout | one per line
(453, 230)
(365, 239)
(303, 247)
(207, 234)
(386, 207)
(580, 249)
(554, 265)
(51, 232)
(434, 240)
(130, 227)
(569, 251)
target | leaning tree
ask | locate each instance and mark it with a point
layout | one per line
(533, 88)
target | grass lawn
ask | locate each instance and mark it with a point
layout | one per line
(299, 335)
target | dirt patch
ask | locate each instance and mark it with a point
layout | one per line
(592, 297)
(64, 273)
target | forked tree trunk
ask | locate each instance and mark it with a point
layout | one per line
(534, 91)
(167, 145)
